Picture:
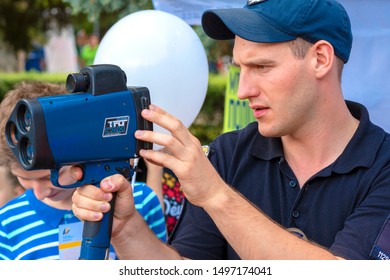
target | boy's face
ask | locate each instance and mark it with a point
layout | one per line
(39, 182)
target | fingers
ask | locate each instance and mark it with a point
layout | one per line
(182, 151)
(156, 137)
(90, 202)
(183, 154)
(180, 143)
(159, 158)
(158, 116)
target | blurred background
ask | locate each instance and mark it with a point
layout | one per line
(48, 39)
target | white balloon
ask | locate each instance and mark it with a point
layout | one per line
(160, 51)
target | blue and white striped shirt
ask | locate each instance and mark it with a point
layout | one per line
(29, 228)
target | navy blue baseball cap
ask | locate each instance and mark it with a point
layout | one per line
(271, 21)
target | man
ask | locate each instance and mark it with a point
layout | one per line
(309, 180)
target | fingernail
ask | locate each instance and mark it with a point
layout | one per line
(106, 196)
(107, 184)
(142, 152)
(105, 207)
(139, 133)
(97, 215)
(110, 184)
(146, 112)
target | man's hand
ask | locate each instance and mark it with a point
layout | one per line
(182, 154)
(90, 202)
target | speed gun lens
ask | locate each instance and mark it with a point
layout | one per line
(24, 118)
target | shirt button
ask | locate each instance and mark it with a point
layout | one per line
(295, 214)
(293, 184)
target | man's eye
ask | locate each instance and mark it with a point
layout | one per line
(263, 67)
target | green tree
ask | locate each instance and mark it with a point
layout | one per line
(95, 8)
(107, 12)
(25, 21)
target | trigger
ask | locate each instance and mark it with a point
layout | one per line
(125, 172)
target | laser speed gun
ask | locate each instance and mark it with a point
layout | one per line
(92, 126)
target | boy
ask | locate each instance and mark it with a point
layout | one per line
(34, 225)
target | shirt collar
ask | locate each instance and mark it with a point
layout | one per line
(362, 150)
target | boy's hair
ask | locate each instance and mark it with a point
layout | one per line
(21, 91)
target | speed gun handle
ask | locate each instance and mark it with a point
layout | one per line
(97, 235)
(95, 243)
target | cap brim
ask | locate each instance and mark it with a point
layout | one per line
(224, 24)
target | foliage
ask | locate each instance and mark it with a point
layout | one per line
(23, 21)
(209, 122)
(95, 8)
(214, 48)
(8, 80)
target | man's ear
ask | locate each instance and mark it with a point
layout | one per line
(324, 54)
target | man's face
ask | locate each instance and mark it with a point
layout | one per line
(279, 87)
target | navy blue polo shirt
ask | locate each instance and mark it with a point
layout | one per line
(343, 207)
